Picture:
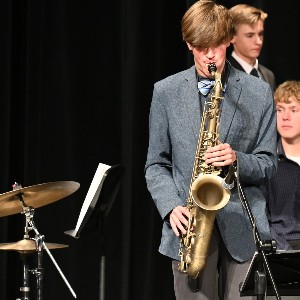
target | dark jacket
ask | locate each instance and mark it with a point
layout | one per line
(267, 75)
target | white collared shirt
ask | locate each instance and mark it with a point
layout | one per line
(247, 67)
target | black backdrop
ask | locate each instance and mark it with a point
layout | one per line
(76, 84)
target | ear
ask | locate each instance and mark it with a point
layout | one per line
(189, 46)
(233, 40)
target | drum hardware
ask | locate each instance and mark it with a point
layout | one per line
(24, 200)
(25, 288)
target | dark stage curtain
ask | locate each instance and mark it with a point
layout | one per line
(76, 85)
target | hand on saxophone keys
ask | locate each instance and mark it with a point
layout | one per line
(220, 155)
(179, 220)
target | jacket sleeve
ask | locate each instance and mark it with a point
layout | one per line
(158, 168)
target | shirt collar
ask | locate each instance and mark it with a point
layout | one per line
(281, 154)
(247, 67)
(280, 150)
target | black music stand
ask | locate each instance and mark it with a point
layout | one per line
(286, 272)
(104, 188)
(262, 247)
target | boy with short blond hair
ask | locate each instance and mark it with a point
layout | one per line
(248, 41)
(283, 190)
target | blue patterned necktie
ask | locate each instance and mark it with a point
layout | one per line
(205, 85)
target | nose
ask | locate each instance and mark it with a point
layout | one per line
(259, 40)
(286, 115)
(210, 53)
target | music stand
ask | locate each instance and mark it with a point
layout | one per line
(98, 202)
(286, 272)
(262, 247)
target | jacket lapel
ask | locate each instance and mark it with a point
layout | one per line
(230, 103)
(191, 101)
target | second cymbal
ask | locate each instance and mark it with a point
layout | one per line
(28, 245)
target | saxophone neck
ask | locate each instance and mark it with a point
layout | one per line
(217, 88)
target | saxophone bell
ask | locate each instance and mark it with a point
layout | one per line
(208, 192)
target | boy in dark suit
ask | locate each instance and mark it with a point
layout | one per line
(248, 40)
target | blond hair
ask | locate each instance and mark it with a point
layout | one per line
(246, 14)
(284, 91)
(207, 24)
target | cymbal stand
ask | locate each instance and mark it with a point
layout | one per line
(25, 288)
(40, 245)
(39, 271)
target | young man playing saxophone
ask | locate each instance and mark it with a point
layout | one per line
(246, 134)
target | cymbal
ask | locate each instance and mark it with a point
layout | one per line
(35, 196)
(28, 245)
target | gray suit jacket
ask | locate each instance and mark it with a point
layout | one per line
(247, 123)
(267, 75)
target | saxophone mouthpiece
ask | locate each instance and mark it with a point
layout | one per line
(212, 68)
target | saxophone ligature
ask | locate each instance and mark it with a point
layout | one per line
(207, 193)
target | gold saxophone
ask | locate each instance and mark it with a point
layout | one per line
(206, 194)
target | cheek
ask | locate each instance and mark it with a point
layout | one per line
(222, 54)
(297, 123)
(279, 118)
(244, 43)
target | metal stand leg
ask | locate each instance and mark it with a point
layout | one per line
(25, 289)
(102, 278)
(102, 259)
(39, 271)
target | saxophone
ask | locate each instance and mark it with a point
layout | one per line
(206, 193)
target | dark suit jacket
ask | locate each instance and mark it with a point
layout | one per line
(267, 75)
(247, 123)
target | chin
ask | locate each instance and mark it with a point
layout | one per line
(255, 55)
